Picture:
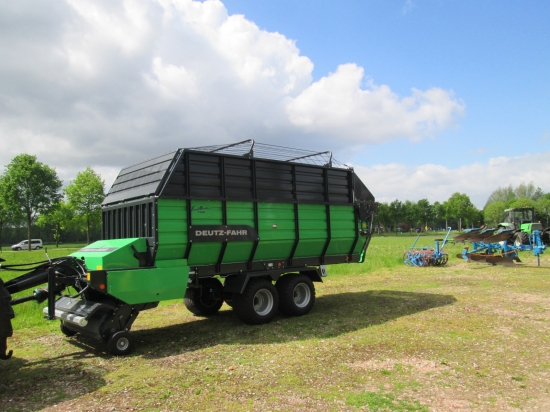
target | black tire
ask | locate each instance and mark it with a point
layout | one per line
(121, 343)
(258, 304)
(521, 238)
(66, 331)
(205, 300)
(296, 294)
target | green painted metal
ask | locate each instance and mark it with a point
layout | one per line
(205, 212)
(172, 229)
(126, 280)
(342, 230)
(148, 284)
(111, 254)
(313, 230)
(239, 213)
(277, 225)
(277, 231)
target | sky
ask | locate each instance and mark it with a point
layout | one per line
(423, 98)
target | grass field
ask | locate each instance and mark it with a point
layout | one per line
(381, 337)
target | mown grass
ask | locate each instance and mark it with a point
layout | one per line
(381, 337)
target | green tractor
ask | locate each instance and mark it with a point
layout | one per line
(521, 219)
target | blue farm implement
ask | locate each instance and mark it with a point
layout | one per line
(427, 256)
(500, 247)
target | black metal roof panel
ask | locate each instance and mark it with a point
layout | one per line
(208, 176)
(361, 193)
(141, 180)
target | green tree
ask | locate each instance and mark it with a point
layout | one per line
(440, 213)
(502, 194)
(411, 213)
(544, 208)
(84, 196)
(538, 194)
(396, 213)
(528, 191)
(31, 188)
(383, 216)
(524, 202)
(459, 206)
(509, 195)
(493, 213)
(59, 218)
(6, 214)
(426, 211)
(474, 216)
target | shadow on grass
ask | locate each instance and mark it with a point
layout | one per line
(332, 315)
(28, 385)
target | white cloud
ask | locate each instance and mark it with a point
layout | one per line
(107, 84)
(438, 183)
(337, 106)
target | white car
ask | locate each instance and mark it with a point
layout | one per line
(24, 245)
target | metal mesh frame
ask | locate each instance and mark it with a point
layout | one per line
(250, 148)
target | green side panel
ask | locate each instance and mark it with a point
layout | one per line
(171, 263)
(342, 229)
(111, 253)
(205, 212)
(239, 213)
(172, 229)
(148, 285)
(529, 227)
(313, 230)
(276, 231)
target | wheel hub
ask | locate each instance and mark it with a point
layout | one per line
(302, 295)
(122, 344)
(263, 302)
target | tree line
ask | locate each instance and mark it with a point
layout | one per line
(33, 200)
(458, 211)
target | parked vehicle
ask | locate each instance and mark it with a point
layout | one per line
(24, 245)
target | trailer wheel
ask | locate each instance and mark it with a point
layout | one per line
(258, 304)
(66, 331)
(521, 238)
(120, 343)
(296, 294)
(206, 300)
